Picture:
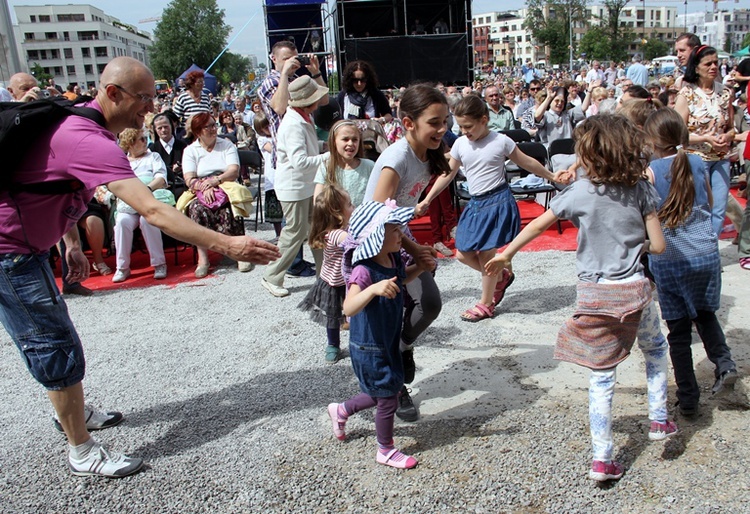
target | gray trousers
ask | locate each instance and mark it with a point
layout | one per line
(298, 215)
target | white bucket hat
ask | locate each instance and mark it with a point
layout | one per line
(304, 91)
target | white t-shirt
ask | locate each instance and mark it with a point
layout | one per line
(483, 161)
(146, 168)
(197, 159)
(414, 174)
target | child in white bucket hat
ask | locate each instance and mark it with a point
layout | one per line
(297, 159)
(375, 304)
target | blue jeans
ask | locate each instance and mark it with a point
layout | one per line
(36, 317)
(718, 173)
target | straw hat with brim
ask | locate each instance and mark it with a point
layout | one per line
(367, 226)
(304, 91)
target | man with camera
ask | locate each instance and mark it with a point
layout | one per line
(23, 88)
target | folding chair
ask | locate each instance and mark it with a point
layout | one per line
(538, 152)
(254, 160)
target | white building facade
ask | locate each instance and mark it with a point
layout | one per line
(9, 62)
(719, 28)
(74, 43)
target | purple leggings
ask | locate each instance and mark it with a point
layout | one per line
(383, 416)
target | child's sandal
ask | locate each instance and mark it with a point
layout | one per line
(479, 312)
(502, 285)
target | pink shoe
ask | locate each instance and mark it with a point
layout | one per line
(660, 431)
(503, 283)
(396, 459)
(337, 423)
(603, 471)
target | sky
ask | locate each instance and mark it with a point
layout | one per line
(252, 39)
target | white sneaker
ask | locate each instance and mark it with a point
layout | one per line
(160, 272)
(245, 266)
(121, 275)
(95, 420)
(453, 232)
(275, 290)
(104, 463)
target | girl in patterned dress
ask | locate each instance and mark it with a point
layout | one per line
(688, 274)
(331, 212)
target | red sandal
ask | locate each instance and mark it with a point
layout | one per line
(479, 312)
(503, 283)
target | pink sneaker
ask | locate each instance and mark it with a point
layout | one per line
(603, 471)
(337, 423)
(660, 431)
(396, 459)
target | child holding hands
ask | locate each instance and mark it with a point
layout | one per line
(375, 305)
(615, 212)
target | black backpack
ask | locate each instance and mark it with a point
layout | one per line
(21, 123)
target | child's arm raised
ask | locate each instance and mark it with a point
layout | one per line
(357, 299)
(440, 184)
(528, 234)
(535, 167)
(655, 243)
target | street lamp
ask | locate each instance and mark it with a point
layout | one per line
(570, 34)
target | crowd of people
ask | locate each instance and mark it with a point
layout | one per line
(656, 157)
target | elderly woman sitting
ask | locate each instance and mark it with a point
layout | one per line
(152, 171)
(210, 166)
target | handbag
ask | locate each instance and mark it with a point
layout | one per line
(220, 199)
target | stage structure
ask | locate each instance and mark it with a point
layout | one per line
(304, 22)
(407, 40)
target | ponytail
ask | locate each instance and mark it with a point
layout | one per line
(679, 202)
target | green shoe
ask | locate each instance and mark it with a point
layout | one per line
(332, 354)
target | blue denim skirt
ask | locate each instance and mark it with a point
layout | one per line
(489, 221)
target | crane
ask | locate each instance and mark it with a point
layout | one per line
(149, 20)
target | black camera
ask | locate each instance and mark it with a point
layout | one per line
(44, 93)
(304, 60)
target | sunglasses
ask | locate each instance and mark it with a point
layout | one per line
(533, 89)
(360, 81)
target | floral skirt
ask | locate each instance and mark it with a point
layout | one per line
(221, 220)
(273, 211)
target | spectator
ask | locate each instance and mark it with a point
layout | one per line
(228, 127)
(500, 118)
(152, 171)
(227, 104)
(553, 120)
(170, 149)
(637, 72)
(70, 92)
(211, 166)
(360, 97)
(194, 99)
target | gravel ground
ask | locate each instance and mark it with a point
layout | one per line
(225, 388)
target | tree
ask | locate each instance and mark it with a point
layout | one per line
(190, 31)
(549, 24)
(231, 68)
(620, 36)
(746, 40)
(40, 75)
(654, 48)
(596, 44)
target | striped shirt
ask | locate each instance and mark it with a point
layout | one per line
(265, 95)
(185, 106)
(330, 272)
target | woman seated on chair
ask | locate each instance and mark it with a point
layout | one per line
(230, 128)
(152, 171)
(213, 200)
(552, 119)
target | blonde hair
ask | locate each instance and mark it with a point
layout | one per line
(638, 110)
(336, 161)
(328, 214)
(599, 93)
(609, 146)
(128, 137)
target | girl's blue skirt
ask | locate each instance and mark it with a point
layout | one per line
(489, 221)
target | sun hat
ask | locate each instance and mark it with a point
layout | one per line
(367, 226)
(304, 91)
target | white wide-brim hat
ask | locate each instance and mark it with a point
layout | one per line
(304, 91)
(367, 226)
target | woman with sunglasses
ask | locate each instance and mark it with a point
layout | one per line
(360, 97)
(706, 107)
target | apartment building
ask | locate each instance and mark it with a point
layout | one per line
(500, 37)
(74, 43)
(718, 28)
(9, 63)
(646, 22)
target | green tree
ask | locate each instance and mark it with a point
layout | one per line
(596, 44)
(190, 31)
(654, 48)
(231, 68)
(38, 71)
(549, 24)
(746, 40)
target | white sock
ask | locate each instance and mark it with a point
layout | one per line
(82, 451)
(405, 347)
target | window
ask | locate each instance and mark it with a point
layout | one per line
(54, 53)
(100, 51)
(71, 70)
(28, 36)
(32, 18)
(519, 39)
(71, 17)
(43, 18)
(86, 52)
(66, 36)
(50, 35)
(88, 69)
(68, 53)
(58, 70)
(88, 35)
(100, 68)
(33, 55)
(43, 54)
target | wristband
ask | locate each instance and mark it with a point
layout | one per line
(149, 188)
(316, 75)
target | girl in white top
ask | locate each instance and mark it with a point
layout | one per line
(150, 168)
(491, 218)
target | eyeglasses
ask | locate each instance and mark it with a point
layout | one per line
(360, 81)
(210, 127)
(144, 99)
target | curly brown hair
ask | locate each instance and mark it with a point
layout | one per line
(128, 137)
(366, 68)
(610, 147)
(328, 214)
(191, 78)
